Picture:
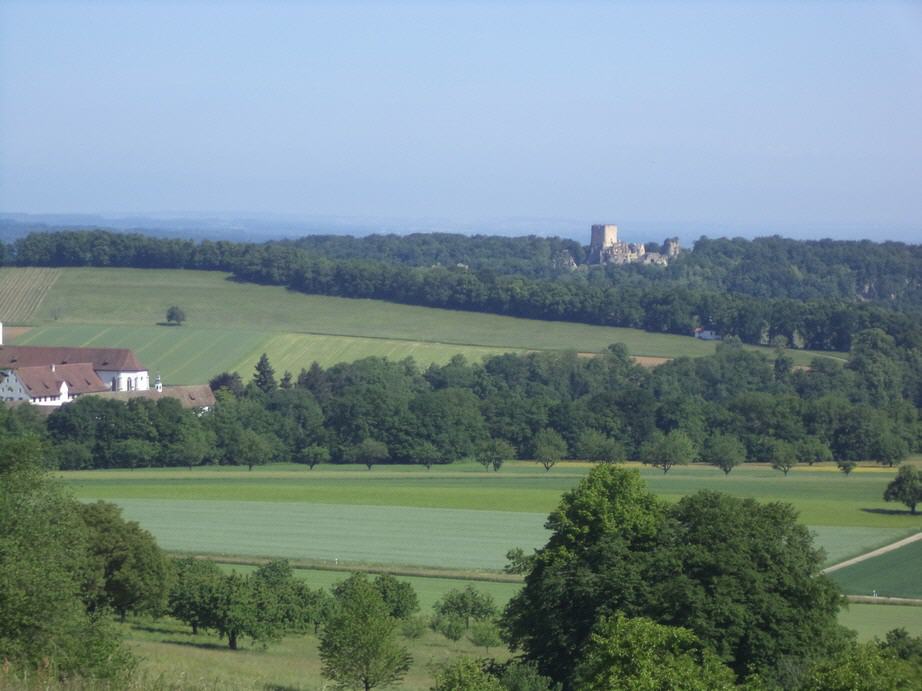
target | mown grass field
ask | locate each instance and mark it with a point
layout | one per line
(893, 574)
(190, 355)
(453, 517)
(230, 324)
(173, 655)
(874, 621)
(22, 292)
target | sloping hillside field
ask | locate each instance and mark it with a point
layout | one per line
(229, 324)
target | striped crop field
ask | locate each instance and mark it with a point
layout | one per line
(212, 301)
(181, 355)
(189, 355)
(892, 574)
(22, 292)
(456, 517)
(340, 533)
(293, 351)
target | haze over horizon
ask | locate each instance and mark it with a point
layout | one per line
(758, 118)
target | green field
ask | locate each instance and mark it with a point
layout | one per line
(872, 621)
(172, 655)
(893, 574)
(455, 517)
(230, 324)
(190, 355)
(339, 533)
(22, 292)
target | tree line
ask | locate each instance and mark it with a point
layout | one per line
(728, 408)
(737, 287)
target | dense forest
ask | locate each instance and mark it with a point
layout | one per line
(732, 407)
(819, 297)
(768, 267)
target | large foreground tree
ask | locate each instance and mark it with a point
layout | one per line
(742, 576)
(44, 566)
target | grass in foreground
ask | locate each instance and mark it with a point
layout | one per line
(173, 655)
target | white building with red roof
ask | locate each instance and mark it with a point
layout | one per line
(50, 385)
(49, 375)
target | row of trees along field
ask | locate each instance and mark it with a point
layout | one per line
(815, 295)
(629, 592)
(725, 409)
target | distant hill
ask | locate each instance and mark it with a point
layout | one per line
(815, 295)
(231, 323)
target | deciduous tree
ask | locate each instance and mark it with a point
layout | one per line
(493, 453)
(782, 456)
(313, 455)
(668, 450)
(906, 487)
(192, 594)
(358, 643)
(742, 576)
(724, 451)
(44, 569)
(130, 571)
(468, 603)
(175, 315)
(399, 596)
(640, 655)
(550, 447)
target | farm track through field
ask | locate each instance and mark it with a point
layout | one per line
(22, 292)
(874, 553)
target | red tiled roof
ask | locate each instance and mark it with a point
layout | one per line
(102, 359)
(43, 381)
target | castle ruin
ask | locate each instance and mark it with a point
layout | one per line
(605, 248)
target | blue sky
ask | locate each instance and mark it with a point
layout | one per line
(799, 118)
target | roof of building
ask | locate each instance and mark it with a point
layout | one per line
(102, 359)
(46, 381)
(195, 396)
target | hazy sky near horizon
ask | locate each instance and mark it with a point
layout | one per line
(769, 114)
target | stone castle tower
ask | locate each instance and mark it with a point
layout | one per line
(671, 246)
(606, 248)
(603, 236)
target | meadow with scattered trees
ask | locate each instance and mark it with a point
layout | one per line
(628, 592)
